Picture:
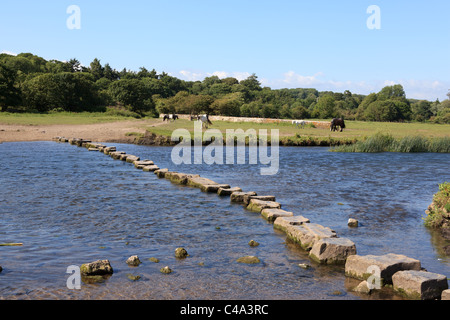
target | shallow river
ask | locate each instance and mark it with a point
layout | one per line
(69, 206)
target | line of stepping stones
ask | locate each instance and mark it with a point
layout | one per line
(403, 273)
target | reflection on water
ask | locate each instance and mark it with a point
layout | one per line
(69, 206)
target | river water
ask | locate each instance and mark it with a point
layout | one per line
(69, 206)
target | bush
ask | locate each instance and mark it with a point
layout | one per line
(438, 213)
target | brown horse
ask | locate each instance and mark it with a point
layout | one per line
(337, 122)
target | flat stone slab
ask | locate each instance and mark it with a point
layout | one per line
(160, 173)
(332, 250)
(445, 295)
(198, 182)
(150, 168)
(131, 158)
(360, 267)
(271, 214)
(238, 197)
(116, 154)
(213, 187)
(307, 234)
(258, 205)
(142, 163)
(247, 198)
(281, 223)
(228, 191)
(179, 177)
(108, 150)
(421, 285)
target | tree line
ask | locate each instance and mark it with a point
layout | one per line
(29, 83)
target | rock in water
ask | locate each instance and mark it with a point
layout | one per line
(133, 261)
(99, 267)
(180, 253)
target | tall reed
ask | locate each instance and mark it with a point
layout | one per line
(382, 142)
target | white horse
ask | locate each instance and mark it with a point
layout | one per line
(300, 123)
(205, 120)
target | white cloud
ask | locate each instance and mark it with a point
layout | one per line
(199, 76)
(415, 89)
(9, 52)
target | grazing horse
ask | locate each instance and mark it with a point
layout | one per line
(300, 123)
(204, 119)
(169, 117)
(337, 122)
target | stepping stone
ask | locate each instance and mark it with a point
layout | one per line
(258, 205)
(178, 177)
(359, 267)
(199, 182)
(116, 154)
(445, 295)
(228, 191)
(213, 187)
(108, 150)
(271, 214)
(239, 196)
(247, 198)
(282, 223)
(307, 234)
(332, 250)
(160, 173)
(150, 168)
(130, 158)
(421, 285)
(142, 163)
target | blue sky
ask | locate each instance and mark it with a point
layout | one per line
(288, 44)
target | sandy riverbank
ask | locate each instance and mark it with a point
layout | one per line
(100, 132)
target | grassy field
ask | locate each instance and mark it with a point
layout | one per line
(289, 134)
(37, 119)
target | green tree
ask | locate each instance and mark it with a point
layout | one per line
(381, 111)
(325, 107)
(421, 110)
(133, 94)
(9, 93)
(96, 69)
(70, 91)
(251, 83)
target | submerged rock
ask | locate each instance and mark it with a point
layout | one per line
(248, 260)
(99, 267)
(253, 243)
(165, 269)
(180, 253)
(133, 261)
(353, 223)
